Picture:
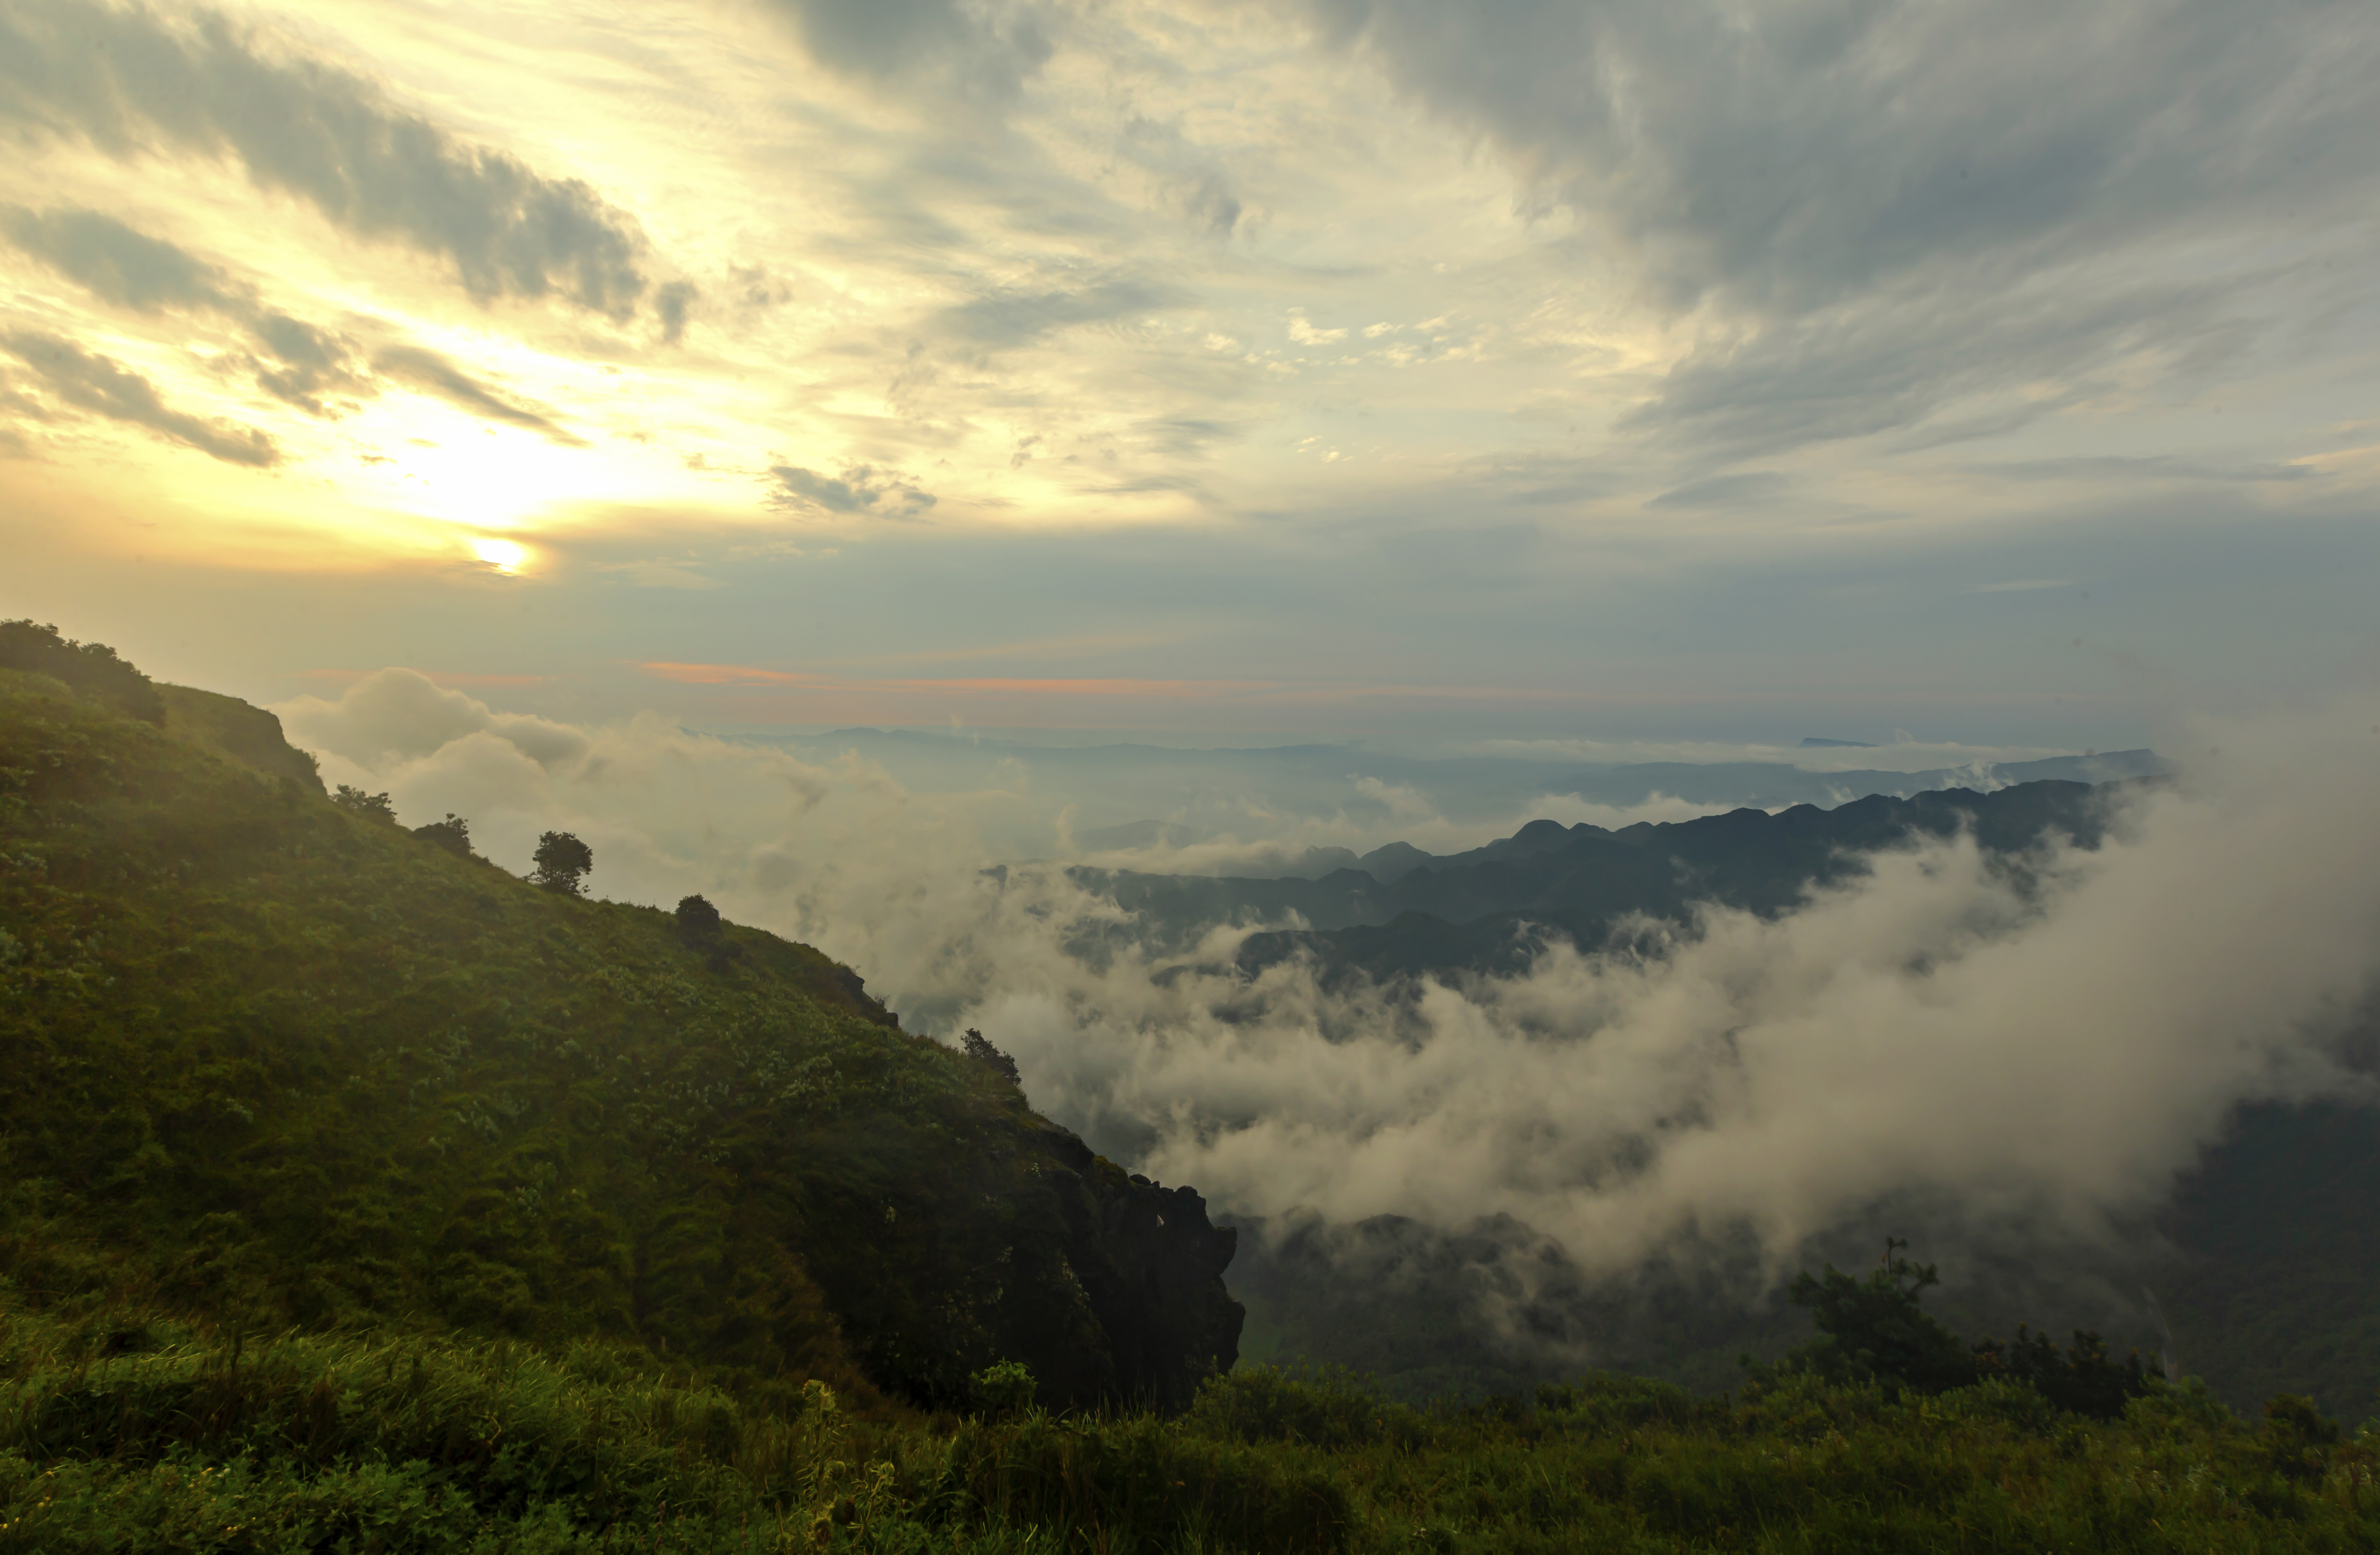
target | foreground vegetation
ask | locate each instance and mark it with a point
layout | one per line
(124, 1435)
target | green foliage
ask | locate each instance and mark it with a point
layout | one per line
(1321, 1406)
(1004, 1390)
(369, 807)
(979, 1047)
(2084, 1379)
(1875, 1328)
(90, 667)
(454, 835)
(123, 1430)
(696, 918)
(562, 863)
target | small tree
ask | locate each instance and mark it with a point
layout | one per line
(696, 918)
(1875, 1327)
(978, 1047)
(454, 835)
(371, 807)
(562, 863)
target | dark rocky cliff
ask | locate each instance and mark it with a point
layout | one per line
(1151, 1268)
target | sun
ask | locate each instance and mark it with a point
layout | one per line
(505, 555)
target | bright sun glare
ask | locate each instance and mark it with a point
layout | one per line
(505, 555)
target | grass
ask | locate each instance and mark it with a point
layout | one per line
(125, 1434)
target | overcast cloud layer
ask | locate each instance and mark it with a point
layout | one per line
(1523, 370)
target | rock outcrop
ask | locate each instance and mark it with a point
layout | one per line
(1151, 1265)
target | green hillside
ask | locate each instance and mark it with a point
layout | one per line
(270, 1064)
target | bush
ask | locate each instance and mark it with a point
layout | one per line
(696, 918)
(1004, 1390)
(1324, 1406)
(454, 835)
(2084, 1380)
(371, 807)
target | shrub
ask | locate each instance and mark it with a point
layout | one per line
(696, 918)
(1004, 1390)
(454, 833)
(2083, 1379)
(371, 807)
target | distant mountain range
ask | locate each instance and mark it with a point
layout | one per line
(1400, 910)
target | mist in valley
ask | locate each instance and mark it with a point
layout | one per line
(2019, 1058)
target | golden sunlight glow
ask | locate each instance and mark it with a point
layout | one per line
(505, 555)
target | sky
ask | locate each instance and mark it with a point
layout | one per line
(1345, 368)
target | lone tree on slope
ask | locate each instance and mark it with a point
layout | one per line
(976, 1046)
(562, 864)
(371, 807)
(696, 918)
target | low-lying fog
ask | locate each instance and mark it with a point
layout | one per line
(2043, 1059)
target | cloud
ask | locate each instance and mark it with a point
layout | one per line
(107, 389)
(2110, 467)
(428, 371)
(1402, 800)
(131, 82)
(672, 305)
(2035, 187)
(129, 268)
(1007, 319)
(986, 52)
(1188, 436)
(861, 489)
(1747, 489)
(1303, 332)
(133, 270)
(115, 262)
(313, 361)
(393, 716)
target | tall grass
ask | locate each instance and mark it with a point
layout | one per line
(122, 1434)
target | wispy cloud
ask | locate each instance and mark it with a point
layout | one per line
(109, 389)
(428, 371)
(131, 82)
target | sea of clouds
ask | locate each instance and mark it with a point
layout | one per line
(2042, 1051)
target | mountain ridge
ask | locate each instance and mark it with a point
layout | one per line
(277, 1064)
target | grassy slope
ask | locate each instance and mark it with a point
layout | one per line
(269, 1061)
